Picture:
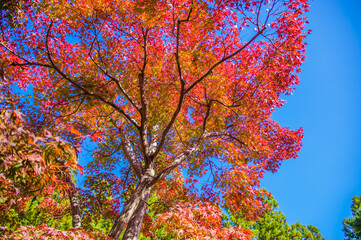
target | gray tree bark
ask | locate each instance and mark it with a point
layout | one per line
(133, 228)
(75, 208)
(134, 208)
(73, 195)
(140, 194)
(74, 203)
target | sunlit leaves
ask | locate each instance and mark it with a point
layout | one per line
(44, 232)
(196, 222)
(150, 80)
(30, 163)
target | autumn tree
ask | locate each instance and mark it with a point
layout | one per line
(30, 169)
(34, 164)
(165, 85)
(35, 181)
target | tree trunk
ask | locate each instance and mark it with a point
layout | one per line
(74, 203)
(135, 223)
(73, 194)
(141, 192)
(75, 207)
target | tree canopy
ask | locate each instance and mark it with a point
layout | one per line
(166, 90)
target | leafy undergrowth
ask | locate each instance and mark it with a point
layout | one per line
(42, 232)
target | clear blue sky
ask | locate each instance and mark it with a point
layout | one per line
(317, 187)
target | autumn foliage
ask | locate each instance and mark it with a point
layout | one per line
(164, 89)
(44, 232)
(28, 163)
(196, 222)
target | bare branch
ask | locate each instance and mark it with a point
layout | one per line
(182, 93)
(180, 158)
(153, 141)
(129, 153)
(106, 73)
(236, 139)
(207, 115)
(144, 102)
(76, 110)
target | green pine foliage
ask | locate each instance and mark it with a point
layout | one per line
(273, 225)
(352, 225)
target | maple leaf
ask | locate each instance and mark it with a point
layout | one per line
(96, 137)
